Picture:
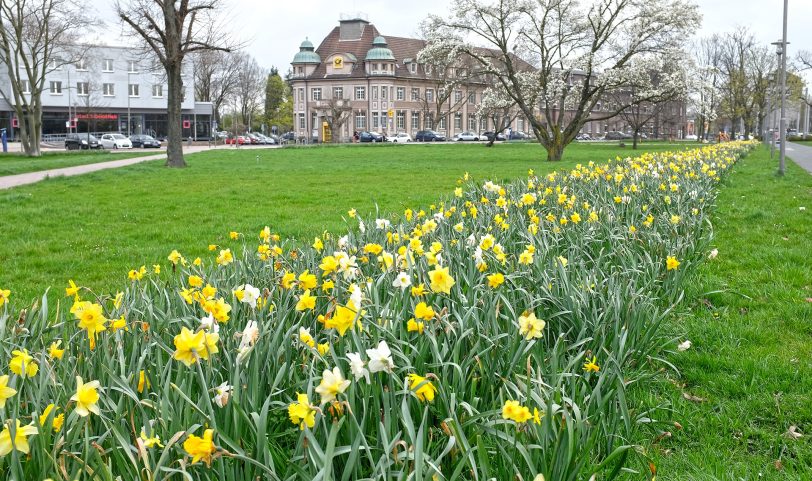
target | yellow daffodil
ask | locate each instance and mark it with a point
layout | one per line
(225, 258)
(20, 442)
(302, 413)
(150, 441)
(422, 387)
(323, 348)
(414, 326)
(86, 397)
(306, 301)
(91, 319)
(57, 422)
(143, 381)
(5, 391)
(591, 365)
(189, 346)
(530, 327)
(307, 281)
(441, 280)
(332, 384)
(200, 448)
(343, 318)
(515, 412)
(23, 364)
(671, 263)
(54, 352)
(72, 290)
(195, 281)
(495, 280)
(422, 311)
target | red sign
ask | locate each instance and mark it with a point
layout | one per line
(73, 123)
(187, 124)
(97, 116)
(14, 122)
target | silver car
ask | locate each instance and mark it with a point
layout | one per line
(115, 141)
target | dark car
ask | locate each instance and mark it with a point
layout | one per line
(490, 135)
(370, 137)
(428, 136)
(518, 135)
(254, 138)
(81, 141)
(617, 136)
(145, 141)
(289, 136)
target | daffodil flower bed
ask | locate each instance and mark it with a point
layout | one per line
(492, 336)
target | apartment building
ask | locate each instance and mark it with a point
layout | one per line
(110, 89)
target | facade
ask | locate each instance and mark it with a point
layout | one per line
(112, 89)
(377, 84)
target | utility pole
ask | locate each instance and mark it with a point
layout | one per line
(781, 158)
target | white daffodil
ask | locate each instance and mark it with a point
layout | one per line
(357, 366)
(403, 280)
(222, 394)
(380, 358)
(382, 224)
(250, 295)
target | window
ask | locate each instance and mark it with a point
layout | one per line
(55, 64)
(301, 121)
(338, 92)
(301, 95)
(375, 92)
(108, 65)
(375, 123)
(520, 124)
(158, 90)
(360, 119)
(401, 93)
(108, 90)
(472, 98)
(442, 122)
(428, 122)
(413, 67)
(458, 121)
(56, 88)
(384, 92)
(26, 87)
(429, 95)
(81, 64)
(400, 120)
(361, 94)
(483, 124)
(415, 120)
(458, 96)
(132, 66)
(134, 90)
(472, 122)
(315, 93)
(81, 89)
(415, 94)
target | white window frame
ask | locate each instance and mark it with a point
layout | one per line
(56, 87)
(400, 119)
(315, 93)
(81, 65)
(82, 89)
(338, 93)
(108, 62)
(132, 66)
(415, 94)
(109, 90)
(134, 92)
(360, 93)
(160, 89)
(26, 86)
(429, 95)
(401, 93)
(415, 120)
(361, 120)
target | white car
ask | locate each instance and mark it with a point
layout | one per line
(691, 137)
(466, 136)
(400, 137)
(115, 141)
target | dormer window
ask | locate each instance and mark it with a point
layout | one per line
(413, 67)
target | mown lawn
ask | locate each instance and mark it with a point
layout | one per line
(749, 317)
(94, 228)
(12, 164)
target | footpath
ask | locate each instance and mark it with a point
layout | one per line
(801, 154)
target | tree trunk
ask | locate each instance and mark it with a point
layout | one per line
(634, 141)
(174, 146)
(555, 148)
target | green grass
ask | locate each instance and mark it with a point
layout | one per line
(751, 327)
(12, 164)
(94, 228)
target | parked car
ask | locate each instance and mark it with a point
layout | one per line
(399, 138)
(238, 140)
(81, 141)
(144, 141)
(583, 137)
(289, 136)
(616, 136)
(254, 138)
(115, 141)
(429, 136)
(466, 136)
(490, 135)
(222, 135)
(691, 137)
(518, 135)
(370, 137)
(267, 140)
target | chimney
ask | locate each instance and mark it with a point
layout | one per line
(351, 26)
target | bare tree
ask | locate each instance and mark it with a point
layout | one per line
(336, 112)
(173, 30)
(215, 77)
(89, 94)
(449, 76)
(560, 56)
(805, 59)
(705, 82)
(249, 88)
(36, 37)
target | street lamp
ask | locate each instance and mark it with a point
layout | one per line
(129, 94)
(781, 50)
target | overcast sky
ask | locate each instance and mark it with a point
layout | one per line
(272, 30)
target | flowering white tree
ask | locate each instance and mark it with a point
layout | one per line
(705, 81)
(498, 107)
(556, 58)
(658, 81)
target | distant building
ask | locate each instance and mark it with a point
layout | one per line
(100, 89)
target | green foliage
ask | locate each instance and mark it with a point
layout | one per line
(278, 103)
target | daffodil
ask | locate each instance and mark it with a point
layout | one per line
(422, 311)
(5, 391)
(671, 263)
(54, 350)
(306, 301)
(150, 441)
(515, 412)
(225, 258)
(343, 318)
(86, 397)
(91, 319)
(380, 358)
(591, 365)
(20, 442)
(441, 280)
(422, 387)
(332, 384)
(72, 290)
(495, 280)
(189, 346)
(22, 364)
(200, 448)
(302, 413)
(530, 327)
(415, 326)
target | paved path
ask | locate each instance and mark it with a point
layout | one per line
(801, 155)
(9, 181)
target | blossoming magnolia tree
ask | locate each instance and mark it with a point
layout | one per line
(557, 58)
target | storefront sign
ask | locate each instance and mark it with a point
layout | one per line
(97, 116)
(187, 124)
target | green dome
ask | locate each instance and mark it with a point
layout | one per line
(306, 54)
(379, 50)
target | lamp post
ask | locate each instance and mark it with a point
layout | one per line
(782, 53)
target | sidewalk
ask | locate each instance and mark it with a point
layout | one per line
(9, 181)
(801, 155)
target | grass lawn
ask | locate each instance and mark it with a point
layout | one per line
(749, 316)
(94, 228)
(12, 164)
